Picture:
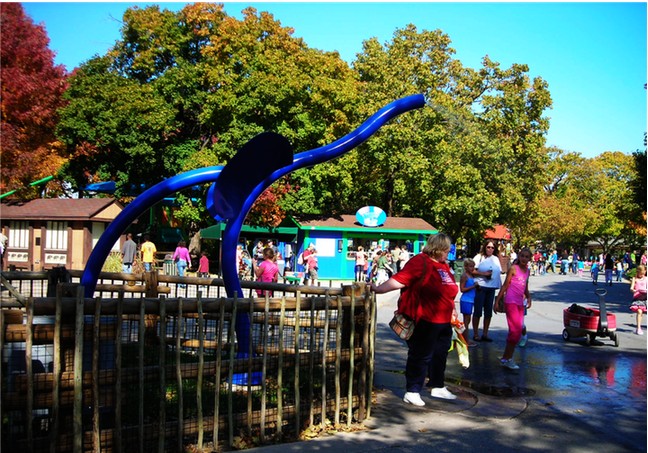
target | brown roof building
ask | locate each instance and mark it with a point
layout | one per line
(48, 232)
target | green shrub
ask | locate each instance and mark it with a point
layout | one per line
(113, 263)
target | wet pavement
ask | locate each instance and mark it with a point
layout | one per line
(567, 395)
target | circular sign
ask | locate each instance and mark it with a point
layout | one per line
(371, 216)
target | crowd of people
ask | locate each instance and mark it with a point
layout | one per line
(378, 265)
(614, 267)
(428, 290)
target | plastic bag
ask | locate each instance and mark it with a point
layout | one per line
(460, 344)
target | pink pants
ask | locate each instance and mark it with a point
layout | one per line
(515, 320)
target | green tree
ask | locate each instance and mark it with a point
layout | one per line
(117, 129)
(560, 213)
(638, 184)
(512, 110)
(184, 90)
(469, 160)
(587, 199)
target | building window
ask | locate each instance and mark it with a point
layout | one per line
(98, 229)
(18, 234)
(56, 237)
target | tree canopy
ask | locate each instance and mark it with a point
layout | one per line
(183, 90)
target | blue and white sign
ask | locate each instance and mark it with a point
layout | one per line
(371, 216)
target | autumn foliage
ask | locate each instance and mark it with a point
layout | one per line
(32, 88)
(267, 209)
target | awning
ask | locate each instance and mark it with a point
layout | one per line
(215, 231)
(101, 187)
(498, 232)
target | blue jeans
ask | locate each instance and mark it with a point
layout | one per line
(147, 267)
(484, 299)
(182, 265)
(127, 268)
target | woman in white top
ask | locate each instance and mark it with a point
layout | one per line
(487, 273)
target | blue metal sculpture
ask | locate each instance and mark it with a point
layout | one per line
(232, 198)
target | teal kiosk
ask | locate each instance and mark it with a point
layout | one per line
(336, 238)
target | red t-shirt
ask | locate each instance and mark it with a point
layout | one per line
(436, 291)
(203, 264)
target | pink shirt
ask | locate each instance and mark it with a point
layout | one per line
(182, 253)
(640, 286)
(270, 270)
(517, 286)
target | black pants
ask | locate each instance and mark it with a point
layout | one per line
(427, 355)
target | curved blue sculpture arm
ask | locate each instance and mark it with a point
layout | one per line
(301, 160)
(133, 211)
(211, 174)
(239, 197)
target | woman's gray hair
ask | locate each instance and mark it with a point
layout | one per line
(436, 244)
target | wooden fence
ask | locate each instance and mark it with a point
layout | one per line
(122, 373)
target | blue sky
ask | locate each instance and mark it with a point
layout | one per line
(593, 55)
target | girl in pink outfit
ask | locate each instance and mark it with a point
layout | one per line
(181, 258)
(514, 292)
(267, 271)
(638, 288)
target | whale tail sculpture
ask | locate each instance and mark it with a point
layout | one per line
(257, 160)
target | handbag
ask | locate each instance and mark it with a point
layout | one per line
(401, 324)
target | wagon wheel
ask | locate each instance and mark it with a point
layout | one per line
(614, 337)
(589, 339)
(565, 335)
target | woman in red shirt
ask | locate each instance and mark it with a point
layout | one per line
(430, 290)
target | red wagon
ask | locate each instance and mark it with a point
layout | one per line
(589, 322)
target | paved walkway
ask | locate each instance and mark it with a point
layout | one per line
(567, 396)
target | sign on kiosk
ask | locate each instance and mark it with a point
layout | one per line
(371, 216)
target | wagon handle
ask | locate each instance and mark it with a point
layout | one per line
(603, 324)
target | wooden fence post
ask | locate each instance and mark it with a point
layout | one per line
(78, 373)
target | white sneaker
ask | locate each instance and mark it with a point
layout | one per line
(443, 393)
(414, 399)
(510, 364)
(639, 332)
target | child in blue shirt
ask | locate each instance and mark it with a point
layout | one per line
(581, 267)
(595, 272)
(467, 286)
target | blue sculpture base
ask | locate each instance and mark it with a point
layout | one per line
(242, 378)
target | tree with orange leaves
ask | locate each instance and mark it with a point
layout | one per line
(31, 92)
